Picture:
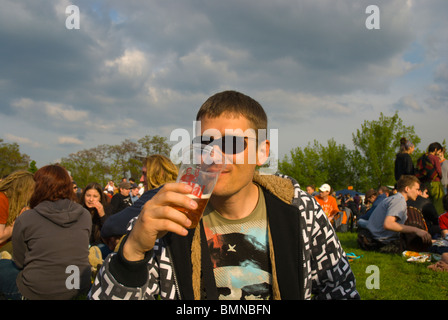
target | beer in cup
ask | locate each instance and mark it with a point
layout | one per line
(200, 168)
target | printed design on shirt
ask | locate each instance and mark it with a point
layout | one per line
(128, 201)
(241, 264)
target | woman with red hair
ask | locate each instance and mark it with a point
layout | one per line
(51, 240)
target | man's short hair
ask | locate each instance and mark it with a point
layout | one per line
(124, 185)
(236, 104)
(371, 192)
(434, 146)
(406, 181)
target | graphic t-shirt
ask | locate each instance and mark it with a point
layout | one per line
(239, 252)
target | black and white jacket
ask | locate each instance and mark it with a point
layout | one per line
(309, 260)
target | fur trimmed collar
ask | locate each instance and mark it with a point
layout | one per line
(281, 187)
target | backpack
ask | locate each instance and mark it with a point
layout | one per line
(341, 221)
(425, 169)
(413, 242)
(415, 218)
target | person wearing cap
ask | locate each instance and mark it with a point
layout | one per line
(122, 199)
(327, 201)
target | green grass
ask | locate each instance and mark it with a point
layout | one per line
(398, 279)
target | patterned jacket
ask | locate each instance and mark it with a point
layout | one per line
(308, 260)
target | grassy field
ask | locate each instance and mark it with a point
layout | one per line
(395, 278)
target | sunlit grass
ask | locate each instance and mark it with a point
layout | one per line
(398, 279)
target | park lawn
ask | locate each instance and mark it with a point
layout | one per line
(397, 278)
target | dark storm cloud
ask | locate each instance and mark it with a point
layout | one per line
(194, 47)
(38, 56)
(145, 67)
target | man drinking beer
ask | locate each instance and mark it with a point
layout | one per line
(261, 236)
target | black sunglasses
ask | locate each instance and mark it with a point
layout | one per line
(228, 144)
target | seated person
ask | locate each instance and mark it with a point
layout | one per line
(370, 199)
(387, 220)
(383, 193)
(429, 212)
(120, 200)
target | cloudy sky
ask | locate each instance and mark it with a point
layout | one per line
(136, 68)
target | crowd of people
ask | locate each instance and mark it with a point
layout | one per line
(420, 190)
(143, 248)
(48, 223)
(413, 215)
(128, 241)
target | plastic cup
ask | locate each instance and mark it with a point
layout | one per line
(200, 168)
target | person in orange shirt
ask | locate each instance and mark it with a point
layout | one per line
(327, 201)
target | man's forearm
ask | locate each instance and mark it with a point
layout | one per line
(395, 226)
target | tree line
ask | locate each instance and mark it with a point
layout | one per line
(99, 164)
(114, 162)
(369, 165)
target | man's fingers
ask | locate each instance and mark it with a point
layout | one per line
(177, 187)
(166, 215)
(171, 195)
(159, 216)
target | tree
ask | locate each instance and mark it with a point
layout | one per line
(336, 162)
(106, 162)
(369, 165)
(378, 142)
(302, 165)
(317, 164)
(88, 165)
(11, 159)
(123, 157)
(154, 145)
(32, 168)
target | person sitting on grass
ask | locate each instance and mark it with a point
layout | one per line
(382, 232)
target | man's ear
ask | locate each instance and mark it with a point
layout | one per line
(263, 152)
(406, 189)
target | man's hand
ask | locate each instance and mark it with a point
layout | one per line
(158, 218)
(391, 224)
(424, 235)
